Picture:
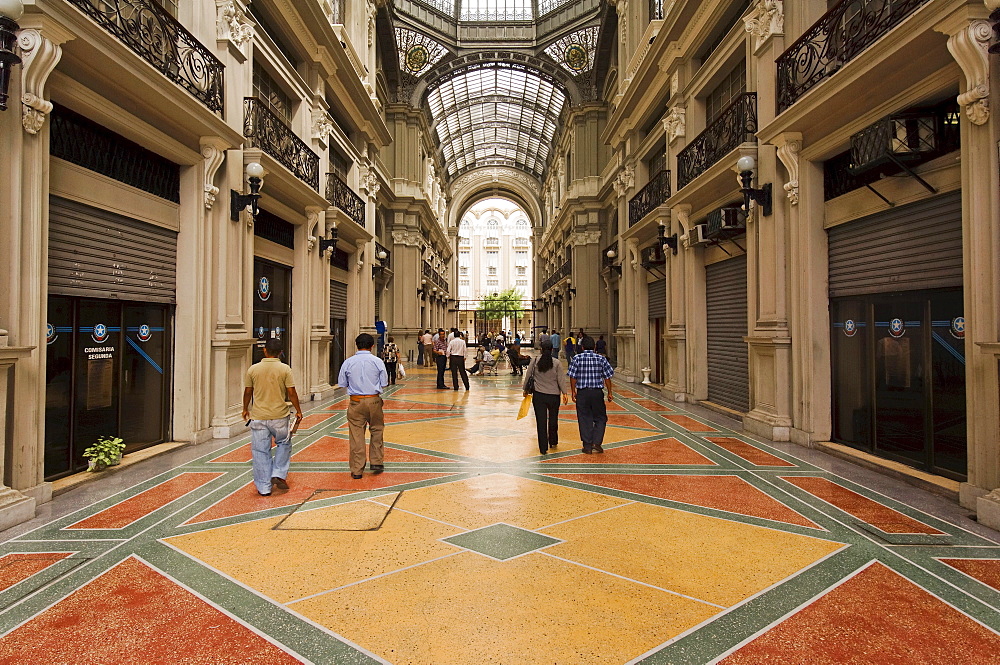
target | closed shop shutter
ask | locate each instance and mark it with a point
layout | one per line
(908, 248)
(338, 300)
(728, 360)
(378, 304)
(98, 254)
(658, 299)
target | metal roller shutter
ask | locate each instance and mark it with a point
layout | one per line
(728, 358)
(98, 254)
(338, 300)
(911, 247)
(658, 299)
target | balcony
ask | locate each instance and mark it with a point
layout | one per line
(339, 195)
(655, 10)
(264, 130)
(649, 198)
(434, 277)
(567, 268)
(156, 37)
(550, 281)
(833, 41)
(737, 124)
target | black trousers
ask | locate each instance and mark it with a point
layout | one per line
(390, 369)
(546, 420)
(458, 365)
(592, 415)
(442, 363)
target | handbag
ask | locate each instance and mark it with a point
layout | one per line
(401, 371)
(529, 382)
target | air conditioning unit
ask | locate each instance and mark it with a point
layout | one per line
(725, 223)
(699, 235)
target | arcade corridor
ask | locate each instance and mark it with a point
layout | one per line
(683, 543)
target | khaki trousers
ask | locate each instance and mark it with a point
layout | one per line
(366, 411)
(428, 355)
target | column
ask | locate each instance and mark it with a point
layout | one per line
(675, 383)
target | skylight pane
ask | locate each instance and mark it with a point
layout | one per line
(496, 10)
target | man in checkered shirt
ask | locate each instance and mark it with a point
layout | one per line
(589, 374)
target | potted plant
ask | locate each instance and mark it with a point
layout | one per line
(106, 452)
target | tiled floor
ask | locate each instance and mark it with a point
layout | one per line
(685, 542)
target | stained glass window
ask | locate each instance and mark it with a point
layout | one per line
(417, 52)
(575, 52)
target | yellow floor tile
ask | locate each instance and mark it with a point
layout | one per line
(522, 611)
(286, 565)
(719, 561)
(499, 497)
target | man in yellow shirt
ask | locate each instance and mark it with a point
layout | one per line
(270, 387)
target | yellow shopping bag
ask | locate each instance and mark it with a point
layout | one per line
(525, 405)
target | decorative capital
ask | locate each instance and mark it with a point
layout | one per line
(969, 48)
(767, 20)
(585, 238)
(231, 23)
(408, 238)
(674, 124)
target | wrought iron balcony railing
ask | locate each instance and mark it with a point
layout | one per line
(567, 268)
(338, 194)
(655, 10)
(735, 125)
(849, 28)
(265, 130)
(649, 198)
(550, 281)
(158, 38)
(434, 277)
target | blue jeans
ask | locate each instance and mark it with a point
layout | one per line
(264, 466)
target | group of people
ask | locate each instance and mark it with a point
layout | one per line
(570, 345)
(269, 398)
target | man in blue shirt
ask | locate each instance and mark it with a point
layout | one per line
(589, 374)
(556, 340)
(364, 375)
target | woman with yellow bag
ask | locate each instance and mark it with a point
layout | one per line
(545, 381)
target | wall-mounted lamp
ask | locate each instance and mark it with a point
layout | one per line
(667, 241)
(611, 254)
(762, 196)
(328, 243)
(239, 202)
(10, 12)
(572, 292)
(382, 255)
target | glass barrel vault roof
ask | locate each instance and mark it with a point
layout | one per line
(496, 114)
(495, 10)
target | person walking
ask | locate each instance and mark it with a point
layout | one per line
(601, 347)
(570, 347)
(589, 373)
(428, 343)
(550, 384)
(441, 357)
(420, 349)
(364, 375)
(556, 340)
(268, 390)
(456, 354)
(543, 337)
(390, 356)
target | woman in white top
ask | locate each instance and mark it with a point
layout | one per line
(550, 383)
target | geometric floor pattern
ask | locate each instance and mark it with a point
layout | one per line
(685, 542)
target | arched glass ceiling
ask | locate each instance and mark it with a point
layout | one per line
(496, 10)
(496, 114)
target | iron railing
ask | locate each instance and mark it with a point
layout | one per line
(434, 277)
(158, 38)
(655, 10)
(550, 281)
(265, 130)
(567, 267)
(736, 124)
(649, 198)
(849, 28)
(338, 194)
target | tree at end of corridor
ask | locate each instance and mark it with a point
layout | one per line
(502, 304)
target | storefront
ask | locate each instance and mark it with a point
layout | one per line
(657, 313)
(728, 357)
(898, 338)
(272, 306)
(338, 328)
(109, 332)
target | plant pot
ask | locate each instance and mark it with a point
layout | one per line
(117, 460)
(94, 465)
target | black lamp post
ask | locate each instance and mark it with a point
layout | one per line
(745, 165)
(239, 202)
(10, 12)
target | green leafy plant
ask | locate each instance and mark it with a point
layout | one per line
(106, 452)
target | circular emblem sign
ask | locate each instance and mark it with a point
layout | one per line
(576, 57)
(896, 328)
(260, 332)
(264, 289)
(100, 334)
(416, 58)
(50, 333)
(277, 333)
(145, 333)
(850, 328)
(958, 327)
